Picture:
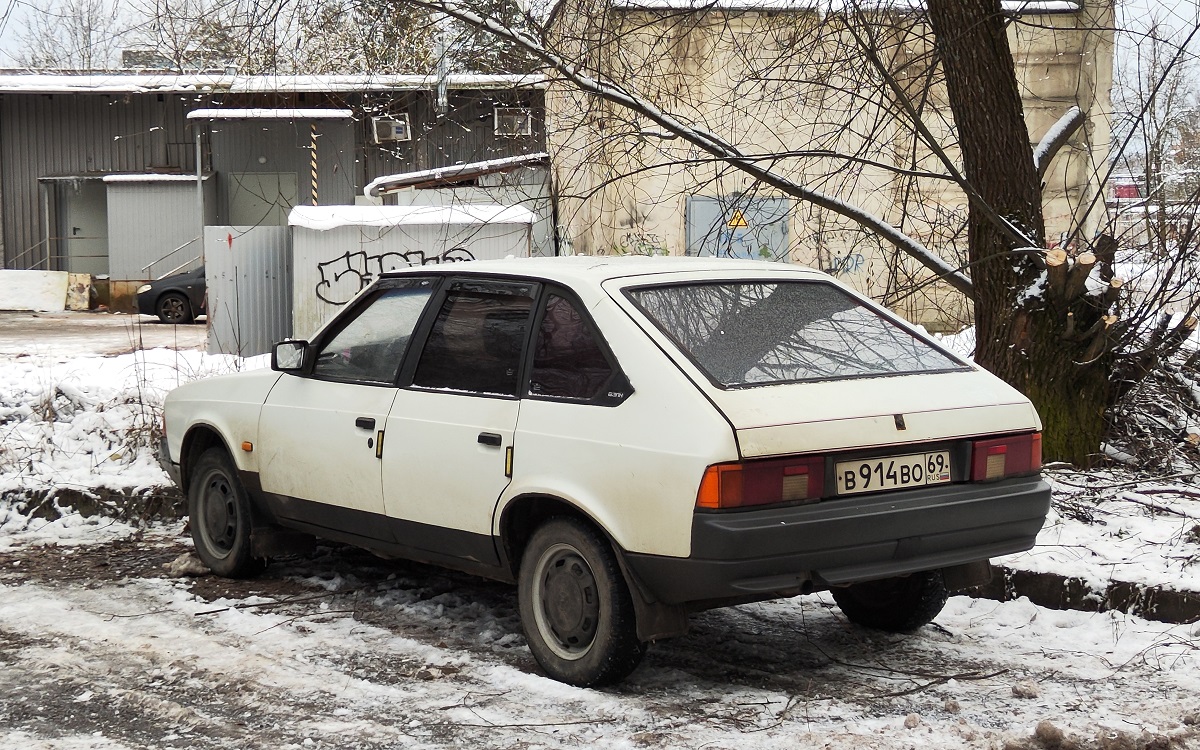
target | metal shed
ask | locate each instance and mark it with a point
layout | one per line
(153, 229)
(338, 250)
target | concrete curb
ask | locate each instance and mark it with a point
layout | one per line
(1061, 592)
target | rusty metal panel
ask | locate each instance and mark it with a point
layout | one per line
(248, 272)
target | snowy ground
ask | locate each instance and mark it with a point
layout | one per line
(101, 648)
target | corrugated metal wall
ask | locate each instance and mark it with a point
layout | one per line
(154, 224)
(534, 196)
(330, 267)
(465, 134)
(249, 277)
(276, 146)
(66, 134)
(91, 134)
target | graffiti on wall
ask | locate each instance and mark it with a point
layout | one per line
(639, 243)
(840, 265)
(347, 275)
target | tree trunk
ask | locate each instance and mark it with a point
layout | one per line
(1024, 333)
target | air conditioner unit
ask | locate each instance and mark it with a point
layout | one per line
(391, 129)
(513, 121)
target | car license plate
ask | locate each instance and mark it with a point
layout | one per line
(892, 472)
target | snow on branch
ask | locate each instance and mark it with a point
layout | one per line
(1055, 138)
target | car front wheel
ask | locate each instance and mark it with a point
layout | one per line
(219, 516)
(897, 605)
(575, 607)
(174, 307)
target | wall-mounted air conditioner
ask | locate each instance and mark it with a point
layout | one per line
(391, 129)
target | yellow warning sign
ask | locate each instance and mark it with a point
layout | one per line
(738, 220)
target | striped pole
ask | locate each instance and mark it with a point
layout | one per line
(313, 162)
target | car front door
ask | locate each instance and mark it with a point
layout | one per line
(320, 434)
(450, 431)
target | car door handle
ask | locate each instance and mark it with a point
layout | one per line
(490, 438)
(365, 423)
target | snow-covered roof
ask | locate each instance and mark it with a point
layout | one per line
(152, 177)
(269, 114)
(1032, 7)
(324, 218)
(125, 83)
(390, 183)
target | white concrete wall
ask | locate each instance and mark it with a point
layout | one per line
(39, 291)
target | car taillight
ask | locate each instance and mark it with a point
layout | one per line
(1006, 457)
(743, 485)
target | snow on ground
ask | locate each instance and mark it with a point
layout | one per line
(1115, 527)
(349, 652)
(99, 649)
(73, 419)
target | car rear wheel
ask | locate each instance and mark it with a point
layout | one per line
(174, 307)
(575, 607)
(897, 605)
(219, 516)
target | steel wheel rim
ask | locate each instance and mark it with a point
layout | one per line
(218, 514)
(566, 602)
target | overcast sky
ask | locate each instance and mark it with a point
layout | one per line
(1132, 14)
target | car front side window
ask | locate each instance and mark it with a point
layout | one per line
(370, 347)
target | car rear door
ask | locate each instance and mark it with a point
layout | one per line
(450, 431)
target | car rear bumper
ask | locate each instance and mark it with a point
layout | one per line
(757, 553)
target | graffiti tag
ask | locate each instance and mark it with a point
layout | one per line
(638, 243)
(848, 263)
(346, 276)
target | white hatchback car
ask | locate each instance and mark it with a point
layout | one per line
(627, 439)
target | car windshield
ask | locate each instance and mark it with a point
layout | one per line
(744, 333)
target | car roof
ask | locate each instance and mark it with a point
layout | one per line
(595, 269)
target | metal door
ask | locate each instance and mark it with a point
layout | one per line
(738, 226)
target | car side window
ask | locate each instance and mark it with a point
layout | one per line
(370, 347)
(477, 339)
(568, 361)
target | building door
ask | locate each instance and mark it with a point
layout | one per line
(261, 198)
(82, 225)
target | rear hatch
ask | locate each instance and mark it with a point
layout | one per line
(798, 363)
(865, 413)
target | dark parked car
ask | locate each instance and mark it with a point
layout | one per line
(174, 299)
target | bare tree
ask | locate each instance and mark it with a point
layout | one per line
(838, 109)
(71, 35)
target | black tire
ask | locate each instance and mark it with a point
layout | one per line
(174, 307)
(219, 517)
(575, 607)
(897, 605)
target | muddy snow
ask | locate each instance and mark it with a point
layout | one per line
(109, 640)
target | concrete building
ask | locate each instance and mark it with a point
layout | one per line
(786, 82)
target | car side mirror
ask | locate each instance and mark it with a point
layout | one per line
(289, 356)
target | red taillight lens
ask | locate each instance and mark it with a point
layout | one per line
(742, 485)
(1006, 457)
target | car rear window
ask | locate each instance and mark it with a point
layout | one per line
(749, 333)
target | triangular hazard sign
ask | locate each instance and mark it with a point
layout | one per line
(737, 220)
